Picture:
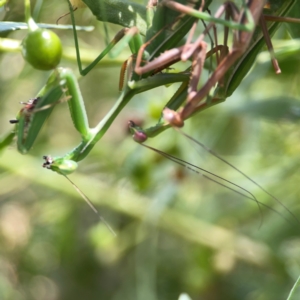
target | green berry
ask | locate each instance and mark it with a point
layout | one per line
(42, 49)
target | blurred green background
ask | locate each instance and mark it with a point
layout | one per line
(176, 231)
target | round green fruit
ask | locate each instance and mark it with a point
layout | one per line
(42, 49)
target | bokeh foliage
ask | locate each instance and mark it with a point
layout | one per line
(177, 232)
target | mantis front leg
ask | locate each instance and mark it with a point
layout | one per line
(63, 81)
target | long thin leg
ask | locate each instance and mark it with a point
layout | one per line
(109, 47)
(264, 28)
(241, 41)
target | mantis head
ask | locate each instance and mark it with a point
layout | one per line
(60, 165)
(138, 134)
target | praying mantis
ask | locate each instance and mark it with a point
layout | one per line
(150, 58)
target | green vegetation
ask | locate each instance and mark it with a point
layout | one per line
(176, 231)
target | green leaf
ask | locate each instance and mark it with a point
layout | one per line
(11, 26)
(121, 12)
(294, 29)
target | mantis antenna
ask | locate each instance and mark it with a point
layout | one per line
(90, 204)
(67, 167)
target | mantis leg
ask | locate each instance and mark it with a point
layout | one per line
(90, 136)
(245, 22)
(241, 41)
(129, 36)
(183, 53)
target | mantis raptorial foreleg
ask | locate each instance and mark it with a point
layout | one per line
(63, 81)
(31, 118)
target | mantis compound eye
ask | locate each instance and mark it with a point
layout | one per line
(26, 110)
(139, 135)
(61, 166)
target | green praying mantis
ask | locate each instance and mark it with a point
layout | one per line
(156, 43)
